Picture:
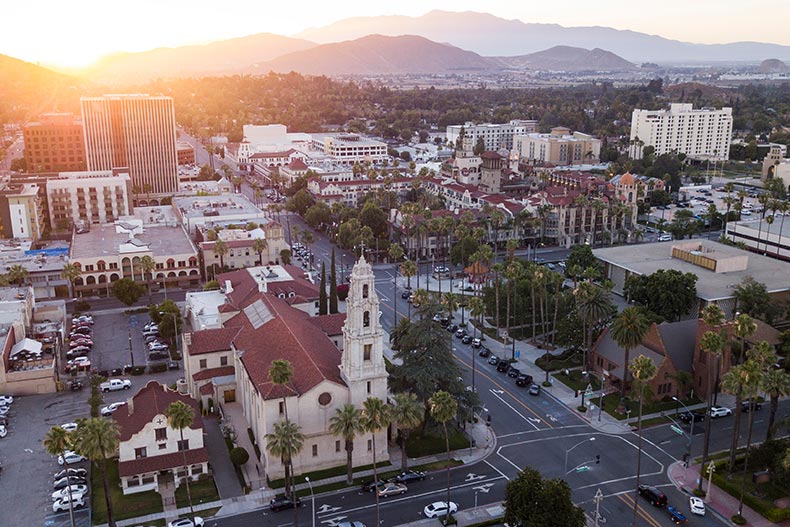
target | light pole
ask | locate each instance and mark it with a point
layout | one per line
(312, 496)
(691, 432)
(598, 498)
(602, 380)
(131, 355)
(175, 328)
(571, 448)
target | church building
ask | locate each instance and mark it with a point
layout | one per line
(230, 364)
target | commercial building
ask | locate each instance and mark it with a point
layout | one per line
(21, 211)
(54, 143)
(240, 245)
(194, 211)
(347, 149)
(719, 268)
(704, 133)
(185, 153)
(44, 266)
(81, 198)
(560, 147)
(758, 235)
(137, 132)
(350, 192)
(495, 136)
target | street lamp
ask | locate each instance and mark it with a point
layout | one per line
(131, 355)
(602, 380)
(175, 328)
(571, 448)
(312, 496)
(691, 432)
(598, 498)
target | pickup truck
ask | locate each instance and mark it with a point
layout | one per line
(115, 384)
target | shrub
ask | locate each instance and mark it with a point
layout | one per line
(157, 368)
(138, 370)
(81, 305)
(239, 456)
(582, 409)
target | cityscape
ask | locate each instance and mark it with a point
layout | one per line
(371, 268)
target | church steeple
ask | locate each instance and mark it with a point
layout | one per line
(362, 365)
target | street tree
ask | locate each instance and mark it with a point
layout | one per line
(323, 304)
(443, 409)
(221, 249)
(181, 416)
(56, 443)
(127, 291)
(332, 286)
(712, 343)
(643, 370)
(71, 272)
(346, 423)
(668, 293)
(259, 245)
(148, 265)
(751, 297)
(97, 439)
(280, 373)
(300, 202)
(581, 256)
(628, 330)
(407, 414)
(531, 501)
(375, 417)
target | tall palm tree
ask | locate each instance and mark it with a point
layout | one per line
(180, 416)
(628, 330)
(513, 273)
(776, 384)
(375, 417)
(592, 306)
(147, 266)
(408, 269)
(643, 371)
(17, 274)
(308, 239)
(497, 268)
(221, 249)
(477, 309)
(285, 442)
(71, 272)
(346, 424)
(743, 327)
(259, 245)
(450, 303)
(395, 254)
(407, 414)
(56, 442)
(711, 343)
(97, 439)
(281, 372)
(443, 408)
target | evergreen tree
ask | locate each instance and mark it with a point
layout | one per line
(333, 286)
(323, 309)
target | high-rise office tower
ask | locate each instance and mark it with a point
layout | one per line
(54, 143)
(134, 131)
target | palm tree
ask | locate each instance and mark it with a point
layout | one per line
(285, 442)
(259, 245)
(712, 343)
(443, 408)
(592, 306)
(643, 371)
(395, 254)
(221, 249)
(346, 424)
(628, 330)
(408, 269)
(71, 272)
(17, 274)
(180, 416)
(450, 302)
(498, 268)
(56, 442)
(281, 372)
(477, 309)
(776, 384)
(407, 414)
(97, 439)
(513, 273)
(147, 265)
(743, 327)
(308, 239)
(375, 417)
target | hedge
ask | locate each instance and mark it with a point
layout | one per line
(733, 488)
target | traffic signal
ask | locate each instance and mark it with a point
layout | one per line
(597, 459)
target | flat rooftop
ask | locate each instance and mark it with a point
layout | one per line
(107, 240)
(216, 206)
(777, 227)
(647, 258)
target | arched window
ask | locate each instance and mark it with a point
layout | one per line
(364, 290)
(366, 319)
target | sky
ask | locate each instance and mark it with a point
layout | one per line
(76, 33)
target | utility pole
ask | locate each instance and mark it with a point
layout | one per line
(598, 498)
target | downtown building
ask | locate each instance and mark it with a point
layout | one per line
(54, 143)
(137, 132)
(702, 134)
(495, 136)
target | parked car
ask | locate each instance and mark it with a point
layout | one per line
(410, 475)
(62, 483)
(653, 495)
(534, 389)
(280, 503)
(697, 506)
(157, 355)
(687, 417)
(466, 339)
(113, 385)
(80, 342)
(69, 457)
(65, 504)
(3, 431)
(493, 360)
(197, 521)
(350, 524)
(459, 333)
(79, 363)
(748, 405)
(392, 489)
(675, 516)
(72, 473)
(405, 295)
(719, 411)
(513, 372)
(438, 509)
(69, 427)
(107, 411)
(452, 328)
(484, 352)
(6, 399)
(81, 351)
(370, 486)
(476, 343)
(524, 380)
(64, 492)
(503, 366)
(81, 330)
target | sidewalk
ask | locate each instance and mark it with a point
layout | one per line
(717, 502)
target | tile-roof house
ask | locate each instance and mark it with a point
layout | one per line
(152, 453)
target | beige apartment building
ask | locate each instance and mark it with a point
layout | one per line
(21, 214)
(100, 196)
(561, 147)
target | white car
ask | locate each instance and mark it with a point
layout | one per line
(64, 493)
(107, 411)
(6, 399)
(697, 506)
(3, 431)
(187, 522)
(719, 411)
(70, 457)
(438, 509)
(69, 427)
(64, 504)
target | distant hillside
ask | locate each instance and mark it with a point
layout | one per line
(567, 58)
(689, 91)
(27, 90)
(379, 55)
(217, 58)
(490, 35)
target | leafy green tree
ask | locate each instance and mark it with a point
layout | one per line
(628, 330)
(127, 291)
(668, 293)
(180, 416)
(346, 423)
(319, 215)
(581, 256)
(239, 456)
(444, 408)
(684, 224)
(323, 306)
(97, 439)
(300, 202)
(752, 298)
(375, 417)
(407, 414)
(285, 256)
(531, 501)
(167, 316)
(211, 285)
(56, 443)
(461, 253)
(332, 285)
(372, 216)
(660, 197)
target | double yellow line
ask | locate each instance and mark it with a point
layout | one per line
(628, 499)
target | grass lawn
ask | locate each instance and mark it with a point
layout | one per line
(124, 506)
(612, 401)
(433, 442)
(575, 381)
(203, 491)
(568, 359)
(326, 473)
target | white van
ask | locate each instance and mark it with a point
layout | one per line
(665, 238)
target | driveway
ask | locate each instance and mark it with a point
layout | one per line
(224, 474)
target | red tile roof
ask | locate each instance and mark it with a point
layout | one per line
(206, 389)
(330, 324)
(163, 462)
(152, 400)
(211, 340)
(210, 373)
(297, 164)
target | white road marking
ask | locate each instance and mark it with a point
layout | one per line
(323, 509)
(473, 477)
(499, 471)
(493, 392)
(484, 488)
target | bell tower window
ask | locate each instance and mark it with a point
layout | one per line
(364, 290)
(366, 319)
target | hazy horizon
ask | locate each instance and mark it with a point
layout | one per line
(79, 33)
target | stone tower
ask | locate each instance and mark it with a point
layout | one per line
(362, 364)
